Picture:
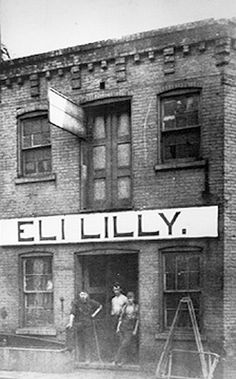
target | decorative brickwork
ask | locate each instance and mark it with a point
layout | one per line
(34, 85)
(75, 77)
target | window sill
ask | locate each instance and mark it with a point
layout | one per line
(40, 331)
(35, 179)
(180, 165)
(179, 336)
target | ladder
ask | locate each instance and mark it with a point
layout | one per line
(163, 361)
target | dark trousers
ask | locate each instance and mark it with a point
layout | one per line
(80, 339)
(85, 342)
(126, 339)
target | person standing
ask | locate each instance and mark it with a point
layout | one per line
(127, 328)
(117, 302)
(82, 314)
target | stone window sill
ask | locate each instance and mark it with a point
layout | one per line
(36, 179)
(180, 165)
(40, 331)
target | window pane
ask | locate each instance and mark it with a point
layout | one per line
(27, 128)
(180, 112)
(170, 281)
(99, 128)
(26, 142)
(171, 304)
(99, 157)
(169, 123)
(169, 107)
(38, 265)
(194, 263)
(35, 125)
(182, 263)
(182, 280)
(182, 272)
(194, 280)
(45, 127)
(123, 125)
(37, 161)
(37, 139)
(124, 188)
(181, 121)
(44, 166)
(181, 145)
(123, 155)
(38, 283)
(45, 137)
(99, 189)
(170, 263)
(30, 168)
(39, 310)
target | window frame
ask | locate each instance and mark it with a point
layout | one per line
(181, 252)
(32, 115)
(175, 93)
(23, 292)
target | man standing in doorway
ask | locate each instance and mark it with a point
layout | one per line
(82, 317)
(117, 303)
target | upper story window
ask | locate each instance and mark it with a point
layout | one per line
(182, 277)
(180, 126)
(35, 145)
(109, 156)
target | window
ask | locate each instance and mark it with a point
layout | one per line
(37, 291)
(181, 278)
(35, 145)
(109, 156)
(180, 126)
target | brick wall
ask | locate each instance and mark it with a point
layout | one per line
(229, 222)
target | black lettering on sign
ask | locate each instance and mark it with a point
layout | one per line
(169, 223)
(87, 236)
(62, 228)
(41, 237)
(116, 233)
(145, 234)
(21, 231)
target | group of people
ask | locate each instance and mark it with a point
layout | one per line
(125, 322)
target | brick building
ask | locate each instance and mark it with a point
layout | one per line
(146, 198)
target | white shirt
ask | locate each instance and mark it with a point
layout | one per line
(117, 303)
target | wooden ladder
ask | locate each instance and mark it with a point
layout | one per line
(162, 364)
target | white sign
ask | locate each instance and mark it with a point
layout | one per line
(65, 114)
(155, 224)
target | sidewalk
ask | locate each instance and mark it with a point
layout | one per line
(87, 373)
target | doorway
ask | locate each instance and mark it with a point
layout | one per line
(99, 273)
